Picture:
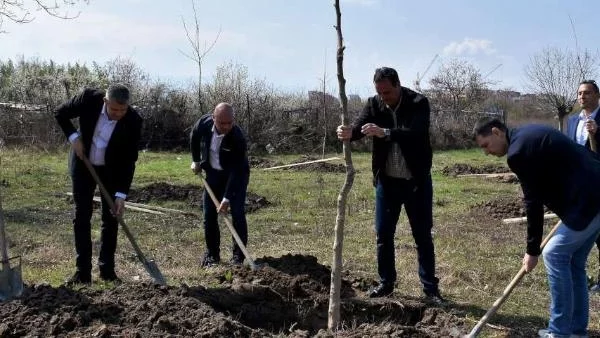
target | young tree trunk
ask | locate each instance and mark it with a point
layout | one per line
(336, 263)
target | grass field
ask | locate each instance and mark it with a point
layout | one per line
(477, 256)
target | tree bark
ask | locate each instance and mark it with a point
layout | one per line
(336, 263)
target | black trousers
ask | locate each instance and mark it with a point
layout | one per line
(83, 193)
(217, 182)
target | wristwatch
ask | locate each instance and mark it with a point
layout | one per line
(386, 132)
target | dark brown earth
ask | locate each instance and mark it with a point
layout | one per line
(191, 194)
(501, 208)
(287, 297)
(261, 162)
(462, 168)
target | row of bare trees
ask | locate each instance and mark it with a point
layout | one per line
(292, 122)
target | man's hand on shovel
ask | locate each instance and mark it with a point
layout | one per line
(119, 207)
(223, 207)
(529, 262)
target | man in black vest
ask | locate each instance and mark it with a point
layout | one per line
(218, 147)
(397, 119)
(109, 134)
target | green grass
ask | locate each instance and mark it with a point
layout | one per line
(476, 256)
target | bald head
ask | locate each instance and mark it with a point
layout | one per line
(223, 117)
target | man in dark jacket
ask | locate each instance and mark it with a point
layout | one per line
(109, 134)
(584, 126)
(397, 119)
(218, 147)
(556, 172)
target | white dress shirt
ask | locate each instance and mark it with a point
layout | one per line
(102, 133)
(581, 135)
(215, 147)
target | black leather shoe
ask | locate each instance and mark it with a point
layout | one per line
(110, 276)
(434, 297)
(381, 290)
(79, 278)
(237, 260)
(209, 260)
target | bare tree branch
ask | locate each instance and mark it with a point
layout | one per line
(198, 53)
(20, 11)
(555, 74)
(458, 86)
(340, 220)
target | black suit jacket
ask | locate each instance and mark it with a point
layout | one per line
(556, 172)
(122, 150)
(412, 134)
(232, 155)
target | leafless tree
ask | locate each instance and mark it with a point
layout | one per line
(554, 74)
(457, 86)
(199, 50)
(20, 11)
(340, 220)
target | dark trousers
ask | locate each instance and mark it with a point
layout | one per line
(391, 194)
(83, 193)
(217, 180)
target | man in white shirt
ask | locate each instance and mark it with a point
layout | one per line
(218, 147)
(109, 134)
(582, 128)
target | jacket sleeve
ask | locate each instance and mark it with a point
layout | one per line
(69, 110)
(534, 208)
(419, 126)
(365, 116)
(127, 168)
(195, 141)
(238, 176)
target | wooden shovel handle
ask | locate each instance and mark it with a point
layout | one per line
(475, 331)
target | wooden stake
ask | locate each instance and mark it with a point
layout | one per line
(302, 163)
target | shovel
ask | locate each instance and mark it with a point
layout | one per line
(11, 281)
(149, 265)
(229, 223)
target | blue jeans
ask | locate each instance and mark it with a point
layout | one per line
(565, 257)
(390, 195)
(218, 182)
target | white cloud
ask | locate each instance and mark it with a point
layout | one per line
(469, 47)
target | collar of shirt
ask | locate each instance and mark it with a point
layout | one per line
(216, 133)
(583, 116)
(104, 115)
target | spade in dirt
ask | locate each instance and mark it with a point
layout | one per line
(149, 264)
(11, 281)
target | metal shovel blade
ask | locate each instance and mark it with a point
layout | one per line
(154, 272)
(11, 280)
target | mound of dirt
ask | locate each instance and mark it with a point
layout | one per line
(261, 162)
(192, 194)
(501, 208)
(327, 167)
(289, 297)
(462, 168)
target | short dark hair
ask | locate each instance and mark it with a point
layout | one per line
(387, 73)
(592, 83)
(118, 92)
(484, 126)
